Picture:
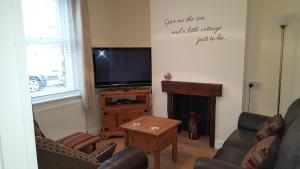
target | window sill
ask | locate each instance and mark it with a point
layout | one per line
(55, 97)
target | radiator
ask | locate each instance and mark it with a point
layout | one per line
(58, 119)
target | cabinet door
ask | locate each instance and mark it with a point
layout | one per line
(122, 117)
(109, 121)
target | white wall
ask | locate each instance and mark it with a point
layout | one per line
(262, 52)
(208, 62)
(60, 118)
(17, 143)
(1, 156)
(119, 23)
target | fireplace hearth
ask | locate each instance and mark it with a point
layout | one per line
(200, 98)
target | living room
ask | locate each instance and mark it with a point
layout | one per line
(246, 50)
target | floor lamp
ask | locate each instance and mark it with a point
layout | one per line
(282, 21)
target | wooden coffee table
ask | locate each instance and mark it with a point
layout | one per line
(152, 141)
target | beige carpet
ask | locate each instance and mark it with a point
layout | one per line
(188, 151)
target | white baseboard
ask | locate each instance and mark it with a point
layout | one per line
(219, 144)
(95, 130)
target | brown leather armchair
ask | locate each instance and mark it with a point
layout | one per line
(52, 155)
(57, 155)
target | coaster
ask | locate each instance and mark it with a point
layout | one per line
(156, 129)
(136, 124)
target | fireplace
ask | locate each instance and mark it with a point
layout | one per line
(183, 105)
(186, 97)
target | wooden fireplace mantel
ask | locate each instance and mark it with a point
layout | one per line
(197, 89)
(192, 88)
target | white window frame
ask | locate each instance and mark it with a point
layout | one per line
(70, 63)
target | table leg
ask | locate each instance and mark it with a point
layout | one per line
(174, 150)
(126, 138)
(156, 160)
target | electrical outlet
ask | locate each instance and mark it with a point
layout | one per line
(256, 84)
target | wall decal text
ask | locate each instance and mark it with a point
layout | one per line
(194, 25)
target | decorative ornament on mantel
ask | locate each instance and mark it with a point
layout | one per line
(168, 76)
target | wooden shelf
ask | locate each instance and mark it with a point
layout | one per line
(130, 92)
(114, 115)
(125, 106)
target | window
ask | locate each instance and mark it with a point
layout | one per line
(50, 47)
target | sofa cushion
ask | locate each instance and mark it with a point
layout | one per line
(289, 152)
(258, 153)
(270, 160)
(104, 152)
(241, 139)
(79, 140)
(231, 155)
(269, 128)
(208, 163)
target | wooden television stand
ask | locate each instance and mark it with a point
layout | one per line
(116, 110)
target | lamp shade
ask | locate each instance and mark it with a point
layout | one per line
(284, 19)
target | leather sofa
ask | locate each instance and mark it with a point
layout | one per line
(242, 139)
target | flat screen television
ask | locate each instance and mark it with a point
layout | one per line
(117, 67)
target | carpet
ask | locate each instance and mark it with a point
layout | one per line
(188, 151)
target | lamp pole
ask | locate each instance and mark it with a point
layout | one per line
(282, 27)
(282, 21)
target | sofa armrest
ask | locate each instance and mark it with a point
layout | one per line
(129, 158)
(251, 121)
(207, 163)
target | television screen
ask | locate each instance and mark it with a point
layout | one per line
(122, 66)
